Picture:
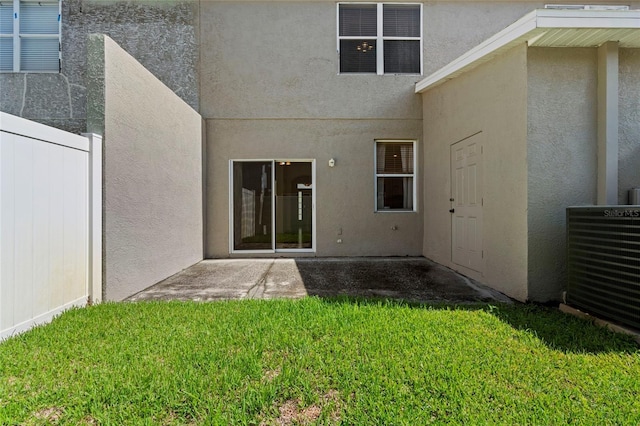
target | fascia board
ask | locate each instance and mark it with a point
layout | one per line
(502, 39)
(550, 18)
(527, 28)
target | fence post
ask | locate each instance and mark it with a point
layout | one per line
(95, 217)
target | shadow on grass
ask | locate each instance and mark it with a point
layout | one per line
(558, 331)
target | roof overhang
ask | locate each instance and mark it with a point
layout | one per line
(546, 28)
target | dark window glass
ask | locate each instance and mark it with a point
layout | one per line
(394, 158)
(402, 56)
(358, 56)
(358, 20)
(395, 193)
(401, 20)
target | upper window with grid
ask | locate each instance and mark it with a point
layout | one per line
(380, 38)
(29, 35)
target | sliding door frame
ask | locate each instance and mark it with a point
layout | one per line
(273, 249)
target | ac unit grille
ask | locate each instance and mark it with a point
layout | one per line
(603, 254)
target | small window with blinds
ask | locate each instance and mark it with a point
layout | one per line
(395, 175)
(29, 36)
(380, 38)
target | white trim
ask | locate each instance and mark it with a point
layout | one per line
(529, 29)
(379, 39)
(273, 205)
(16, 36)
(230, 203)
(41, 319)
(413, 175)
(94, 269)
(421, 39)
(607, 123)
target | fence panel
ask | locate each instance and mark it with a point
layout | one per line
(49, 214)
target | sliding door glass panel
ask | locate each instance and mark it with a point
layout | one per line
(252, 205)
(294, 206)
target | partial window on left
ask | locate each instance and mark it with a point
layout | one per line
(30, 35)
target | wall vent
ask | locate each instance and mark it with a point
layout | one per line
(603, 254)
(586, 6)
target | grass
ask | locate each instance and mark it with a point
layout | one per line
(318, 361)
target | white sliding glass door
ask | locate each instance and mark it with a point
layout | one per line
(272, 206)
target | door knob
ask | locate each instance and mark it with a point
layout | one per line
(452, 210)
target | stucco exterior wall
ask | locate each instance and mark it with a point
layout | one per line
(161, 35)
(345, 193)
(562, 156)
(279, 95)
(279, 60)
(274, 93)
(491, 99)
(629, 130)
(152, 172)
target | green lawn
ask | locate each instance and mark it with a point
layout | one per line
(318, 361)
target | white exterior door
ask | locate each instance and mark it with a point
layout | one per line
(466, 203)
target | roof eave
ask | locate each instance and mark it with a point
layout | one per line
(530, 29)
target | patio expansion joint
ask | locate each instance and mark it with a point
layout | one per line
(258, 289)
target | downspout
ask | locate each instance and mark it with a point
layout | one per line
(607, 123)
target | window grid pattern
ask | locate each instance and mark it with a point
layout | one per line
(30, 35)
(395, 164)
(380, 38)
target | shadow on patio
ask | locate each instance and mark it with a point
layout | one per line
(411, 279)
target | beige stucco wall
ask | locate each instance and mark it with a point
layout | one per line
(562, 157)
(491, 99)
(270, 88)
(279, 60)
(152, 171)
(453, 27)
(345, 193)
(629, 129)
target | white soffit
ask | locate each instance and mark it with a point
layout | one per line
(547, 28)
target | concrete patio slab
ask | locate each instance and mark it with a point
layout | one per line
(411, 279)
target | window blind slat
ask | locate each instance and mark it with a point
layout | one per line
(39, 54)
(394, 158)
(358, 20)
(6, 54)
(39, 18)
(6, 19)
(402, 56)
(401, 20)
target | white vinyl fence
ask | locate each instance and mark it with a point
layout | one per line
(50, 222)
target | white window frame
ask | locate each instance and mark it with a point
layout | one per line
(17, 36)
(414, 175)
(380, 38)
(273, 249)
